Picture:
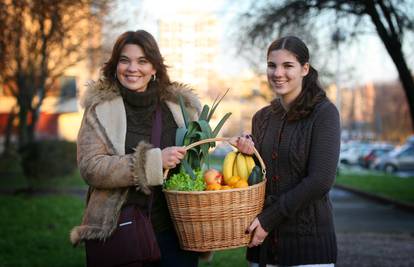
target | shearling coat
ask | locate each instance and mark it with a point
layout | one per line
(103, 164)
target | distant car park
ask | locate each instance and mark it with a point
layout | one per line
(350, 154)
(399, 159)
(367, 159)
(410, 140)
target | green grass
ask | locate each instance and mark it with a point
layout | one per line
(401, 189)
(227, 258)
(35, 231)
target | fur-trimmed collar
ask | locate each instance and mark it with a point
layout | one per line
(102, 90)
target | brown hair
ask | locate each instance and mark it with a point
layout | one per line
(151, 51)
(312, 92)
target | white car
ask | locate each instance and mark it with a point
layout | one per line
(400, 159)
(351, 155)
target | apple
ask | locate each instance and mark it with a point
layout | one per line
(213, 176)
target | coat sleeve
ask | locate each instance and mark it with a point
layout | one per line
(102, 168)
(322, 165)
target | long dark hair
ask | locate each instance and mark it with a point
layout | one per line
(312, 92)
(151, 51)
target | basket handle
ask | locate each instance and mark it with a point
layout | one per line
(209, 140)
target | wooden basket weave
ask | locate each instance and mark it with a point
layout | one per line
(215, 220)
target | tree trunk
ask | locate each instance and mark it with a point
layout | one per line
(32, 126)
(406, 81)
(9, 130)
(394, 48)
(22, 129)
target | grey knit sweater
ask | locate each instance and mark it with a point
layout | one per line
(301, 159)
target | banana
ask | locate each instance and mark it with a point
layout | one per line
(228, 165)
(241, 167)
(235, 167)
(250, 164)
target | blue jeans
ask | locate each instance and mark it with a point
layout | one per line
(171, 253)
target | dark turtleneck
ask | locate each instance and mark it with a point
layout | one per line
(140, 109)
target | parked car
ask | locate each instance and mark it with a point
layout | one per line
(350, 155)
(410, 139)
(399, 159)
(367, 159)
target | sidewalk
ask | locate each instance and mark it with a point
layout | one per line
(381, 199)
(370, 233)
(375, 250)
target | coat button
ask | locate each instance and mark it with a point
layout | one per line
(274, 155)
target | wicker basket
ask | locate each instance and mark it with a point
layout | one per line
(215, 220)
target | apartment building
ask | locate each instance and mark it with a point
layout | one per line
(189, 41)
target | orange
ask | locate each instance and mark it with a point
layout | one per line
(241, 184)
(213, 187)
(225, 187)
(232, 181)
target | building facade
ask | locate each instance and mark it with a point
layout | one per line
(189, 42)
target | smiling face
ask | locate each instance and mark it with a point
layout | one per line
(133, 70)
(285, 74)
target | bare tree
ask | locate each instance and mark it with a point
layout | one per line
(390, 19)
(39, 40)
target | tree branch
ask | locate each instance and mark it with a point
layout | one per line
(387, 14)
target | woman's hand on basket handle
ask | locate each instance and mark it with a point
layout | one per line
(171, 156)
(243, 143)
(259, 234)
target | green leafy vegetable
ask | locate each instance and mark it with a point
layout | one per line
(194, 131)
(183, 182)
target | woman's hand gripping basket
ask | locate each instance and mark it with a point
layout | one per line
(215, 220)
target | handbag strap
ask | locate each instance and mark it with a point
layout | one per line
(156, 127)
(156, 142)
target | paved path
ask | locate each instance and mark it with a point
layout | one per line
(372, 234)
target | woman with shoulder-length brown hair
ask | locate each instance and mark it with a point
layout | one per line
(298, 137)
(126, 139)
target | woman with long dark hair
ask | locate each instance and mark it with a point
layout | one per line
(298, 137)
(125, 141)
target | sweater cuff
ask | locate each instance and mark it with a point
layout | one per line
(153, 167)
(270, 217)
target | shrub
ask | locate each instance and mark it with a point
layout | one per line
(48, 159)
(10, 165)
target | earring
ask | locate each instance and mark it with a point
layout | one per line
(115, 76)
(154, 77)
